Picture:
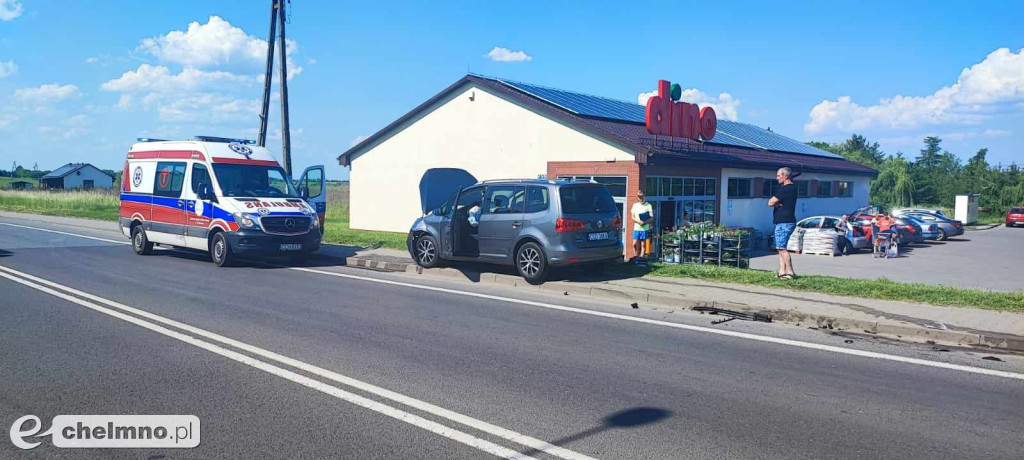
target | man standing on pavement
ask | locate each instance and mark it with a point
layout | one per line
(642, 214)
(784, 202)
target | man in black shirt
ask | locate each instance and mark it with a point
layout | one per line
(784, 202)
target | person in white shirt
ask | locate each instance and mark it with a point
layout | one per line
(642, 214)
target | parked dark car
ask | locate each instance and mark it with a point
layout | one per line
(910, 231)
(531, 224)
(1015, 217)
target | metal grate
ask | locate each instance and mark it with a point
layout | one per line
(285, 225)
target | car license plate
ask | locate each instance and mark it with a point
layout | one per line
(597, 236)
(291, 247)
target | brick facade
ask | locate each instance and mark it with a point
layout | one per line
(636, 177)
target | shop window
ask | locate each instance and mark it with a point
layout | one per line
(688, 187)
(677, 186)
(651, 188)
(665, 186)
(739, 188)
(801, 188)
(710, 187)
(824, 189)
(844, 189)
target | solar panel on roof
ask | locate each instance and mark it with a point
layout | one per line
(583, 104)
(729, 132)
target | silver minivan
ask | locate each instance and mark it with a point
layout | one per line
(533, 224)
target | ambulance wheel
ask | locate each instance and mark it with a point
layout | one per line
(220, 251)
(141, 244)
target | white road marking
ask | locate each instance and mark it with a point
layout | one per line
(495, 430)
(740, 335)
(66, 233)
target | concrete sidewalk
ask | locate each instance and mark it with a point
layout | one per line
(898, 320)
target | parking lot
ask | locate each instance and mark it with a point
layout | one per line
(983, 259)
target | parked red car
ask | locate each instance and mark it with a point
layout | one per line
(1015, 217)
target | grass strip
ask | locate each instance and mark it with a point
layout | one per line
(880, 288)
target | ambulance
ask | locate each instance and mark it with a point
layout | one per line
(228, 197)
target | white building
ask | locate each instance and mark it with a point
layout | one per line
(497, 129)
(77, 176)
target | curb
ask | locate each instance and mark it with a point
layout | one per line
(904, 333)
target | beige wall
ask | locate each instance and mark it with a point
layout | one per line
(491, 137)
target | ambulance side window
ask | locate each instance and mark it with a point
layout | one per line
(199, 177)
(170, 177)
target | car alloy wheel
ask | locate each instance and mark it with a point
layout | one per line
(529, 262)
(426, 252)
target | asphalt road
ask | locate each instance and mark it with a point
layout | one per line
(979, 259)
(598, 386)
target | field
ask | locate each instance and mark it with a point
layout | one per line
(103, 205)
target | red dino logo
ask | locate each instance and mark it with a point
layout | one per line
(679, 119)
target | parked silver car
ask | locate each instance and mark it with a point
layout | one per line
(532, 224)
(948, 228)
(929, 231)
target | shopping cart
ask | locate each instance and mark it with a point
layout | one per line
(885, 242)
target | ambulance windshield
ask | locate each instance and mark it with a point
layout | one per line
(238, 180)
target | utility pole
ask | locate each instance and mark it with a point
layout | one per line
(286, 137)
(261, 138)
(277, 15)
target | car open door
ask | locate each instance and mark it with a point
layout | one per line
(448, 226)
(312, 187)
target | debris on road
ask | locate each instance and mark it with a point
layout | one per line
(634, 305)
(937, 325)
(992, 358)
(732, 315)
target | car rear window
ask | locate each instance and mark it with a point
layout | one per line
(585, 199)
(1017, 211)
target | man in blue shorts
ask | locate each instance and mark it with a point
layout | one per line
(784, 202)
(642, 214)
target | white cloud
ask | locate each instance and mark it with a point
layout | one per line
(46, 93)
(10, 9)
(92, 60)
(215, 44)
(206, 108)
(988, 86)
(500, 54)
(7, 69)
(357, 140)
(310, 61)
(160, 79)
(7, 120)
(725, 105)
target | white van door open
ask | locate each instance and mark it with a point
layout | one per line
(312, 187)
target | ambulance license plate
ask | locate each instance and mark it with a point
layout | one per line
(597, 236)
(291, 247)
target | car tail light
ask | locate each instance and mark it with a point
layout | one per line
(957, 223)
(933, 228)
(617, 222)
(564, 224)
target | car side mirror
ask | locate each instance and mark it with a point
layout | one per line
(304, 193)
(206, 192)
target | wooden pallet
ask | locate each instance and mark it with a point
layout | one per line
(814, 253)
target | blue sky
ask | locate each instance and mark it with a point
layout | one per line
(80, 80)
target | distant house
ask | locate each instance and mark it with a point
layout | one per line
(22, 185)
(77, 176)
